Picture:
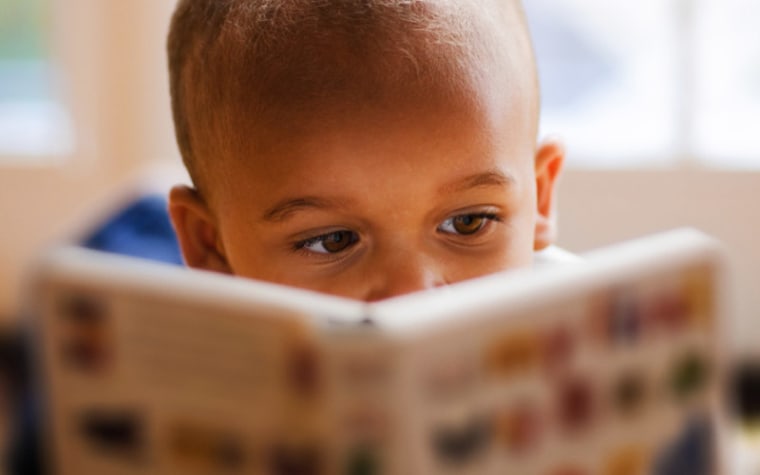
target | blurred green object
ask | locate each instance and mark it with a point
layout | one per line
(26, 73)
(23, 29)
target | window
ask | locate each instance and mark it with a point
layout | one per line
(652, 82)
(727, 126)
(33, 122)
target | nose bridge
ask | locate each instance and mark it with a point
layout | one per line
(402, 270)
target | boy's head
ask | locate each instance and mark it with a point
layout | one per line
(364, 148)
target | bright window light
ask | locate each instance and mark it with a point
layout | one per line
(607, 74)
(727, 127)
(33, 123)
(651, 82)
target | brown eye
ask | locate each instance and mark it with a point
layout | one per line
(336, 242)
(330, 243)
(468, 224)
(465, 224)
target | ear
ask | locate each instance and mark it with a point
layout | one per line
(549, 159)
(196, 231)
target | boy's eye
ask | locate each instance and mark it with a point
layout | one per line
(330, 243)
(466, 224)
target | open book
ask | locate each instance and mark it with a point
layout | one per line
(610, 366)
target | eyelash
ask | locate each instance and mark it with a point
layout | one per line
(301, 246)
(488, 217)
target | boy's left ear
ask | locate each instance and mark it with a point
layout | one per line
(549, 159)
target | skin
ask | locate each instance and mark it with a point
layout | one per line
(413, 196)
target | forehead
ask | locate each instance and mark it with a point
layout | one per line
(310, 82)
(395, 156)
(288, 68)
(379, 146)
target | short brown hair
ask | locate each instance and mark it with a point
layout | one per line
(237, 60)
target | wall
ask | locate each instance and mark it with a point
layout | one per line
(601, 207)
(116, 85)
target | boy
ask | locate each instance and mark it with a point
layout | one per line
(360, 148)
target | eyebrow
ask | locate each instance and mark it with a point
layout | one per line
(489, 178)
(282, 210)
(285, 208)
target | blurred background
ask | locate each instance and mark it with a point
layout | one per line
(658, 102)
